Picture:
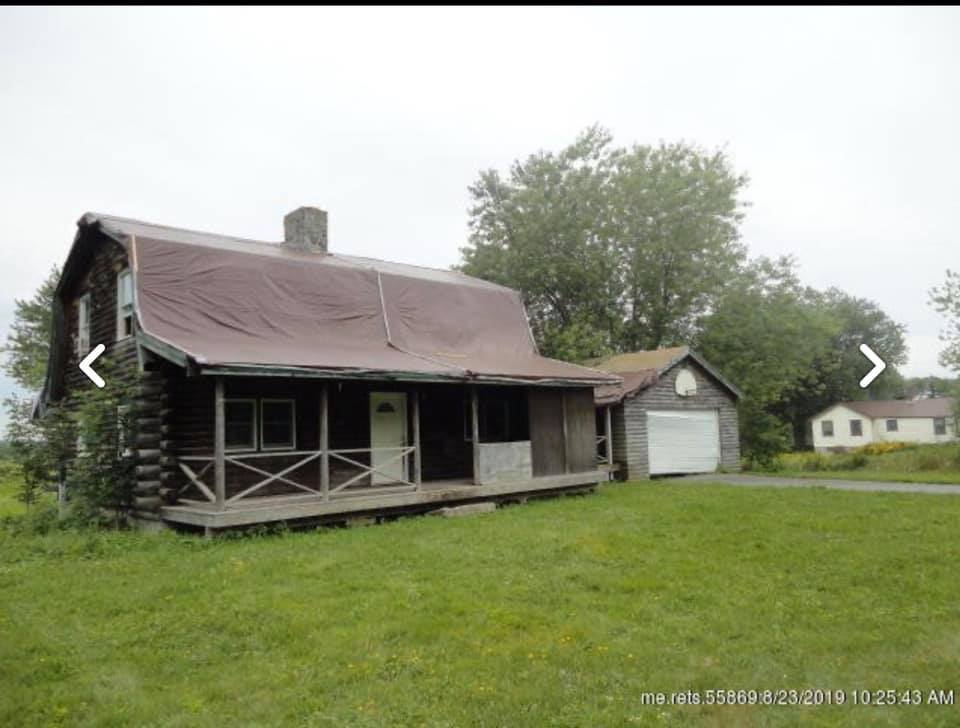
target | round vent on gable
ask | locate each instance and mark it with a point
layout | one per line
(686, 383)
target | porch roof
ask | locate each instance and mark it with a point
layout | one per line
(231, 304)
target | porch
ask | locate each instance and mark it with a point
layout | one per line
(286, 450)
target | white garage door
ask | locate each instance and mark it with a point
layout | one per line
(683, 441)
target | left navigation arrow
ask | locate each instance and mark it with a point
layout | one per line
(90, 359)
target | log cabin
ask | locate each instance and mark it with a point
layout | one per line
(284, 382)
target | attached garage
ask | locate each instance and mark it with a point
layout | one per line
(672, 414)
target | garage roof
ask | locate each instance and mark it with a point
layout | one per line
(642, 369)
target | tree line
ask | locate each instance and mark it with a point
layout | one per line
(618, 249)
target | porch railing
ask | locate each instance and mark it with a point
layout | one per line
(195, 477)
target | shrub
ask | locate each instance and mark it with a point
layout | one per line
(882, 448)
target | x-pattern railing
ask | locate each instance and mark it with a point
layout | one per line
(195, 478)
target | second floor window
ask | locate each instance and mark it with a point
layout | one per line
(83, 325)
(124, 304)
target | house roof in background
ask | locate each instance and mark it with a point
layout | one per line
(234, 304)
(642, 369)
(937, 407)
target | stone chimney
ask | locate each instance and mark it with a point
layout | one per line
(306, 229)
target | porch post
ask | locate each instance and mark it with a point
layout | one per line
(417, 472)
(475, 432)
(325, 441)
(563, 418)
(608, 432)
(219, 446)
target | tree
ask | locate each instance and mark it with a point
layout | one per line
(28, 341)
(945, 300)
(676, 211)
(754, 337)
(835, 373)
(544, 231)
(612, 249)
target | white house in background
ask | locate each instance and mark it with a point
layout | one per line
(847, 425)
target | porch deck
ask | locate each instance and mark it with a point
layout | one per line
(380, 501)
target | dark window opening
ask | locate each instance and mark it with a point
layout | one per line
(277, 428)
(939, 425)
(240, 424)
(892, 426)
(826, 428)
(856, 428)
(503, 415)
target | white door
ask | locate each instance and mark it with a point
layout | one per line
(683, 441)
(388, 429)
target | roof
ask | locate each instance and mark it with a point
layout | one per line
(237, 305)
(633, 383)
(636, 361)
(642, 369)
(878, 408)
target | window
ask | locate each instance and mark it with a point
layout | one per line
(892, 426)
(124, 304)
(856, 428)
(240, 424)
(826, 428)
(277, 424)
(939, 425)
(124, 413)
(502, 415)
(83, 325)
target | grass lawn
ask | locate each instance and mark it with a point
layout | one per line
(555, 613)
(945, 478)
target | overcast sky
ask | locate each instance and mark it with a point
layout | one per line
(846, 120)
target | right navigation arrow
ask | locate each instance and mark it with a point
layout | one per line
(878, 366)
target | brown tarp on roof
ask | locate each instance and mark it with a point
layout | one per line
(231, 302)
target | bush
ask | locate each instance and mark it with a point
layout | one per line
(39, 520)
(882, 448)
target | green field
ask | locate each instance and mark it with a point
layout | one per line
(558, 613)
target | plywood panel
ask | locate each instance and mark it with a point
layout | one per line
(581, 430)
(546, 431)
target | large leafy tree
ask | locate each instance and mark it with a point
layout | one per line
(544, 230)
(613, 249)
(28, 340)
(676, 209)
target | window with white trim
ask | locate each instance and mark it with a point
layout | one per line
(240, 424)
(83, 325)
(124, 304)
(856, 428)
(278, 428)
(826, 428)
